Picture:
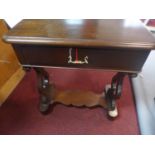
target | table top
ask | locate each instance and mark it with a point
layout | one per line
(116, 33)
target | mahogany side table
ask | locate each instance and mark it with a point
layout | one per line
(119, 45)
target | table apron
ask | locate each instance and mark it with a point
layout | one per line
(97, 58)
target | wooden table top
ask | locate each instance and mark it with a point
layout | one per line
(116, 33)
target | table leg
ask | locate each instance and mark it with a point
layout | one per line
(48, 93)
(45, 89)
(113, 92)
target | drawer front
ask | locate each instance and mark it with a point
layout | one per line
(112, 59)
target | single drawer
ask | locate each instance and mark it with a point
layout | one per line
(101, 58)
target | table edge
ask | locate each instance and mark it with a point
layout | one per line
(75, 42)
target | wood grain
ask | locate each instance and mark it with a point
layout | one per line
(8, 87)
(116, 33)
(79, 98)
(8, 60)
(10, 68)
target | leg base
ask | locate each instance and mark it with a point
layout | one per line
(113, 113)
(44, 105)
(112, 108)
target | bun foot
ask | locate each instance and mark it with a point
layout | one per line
(113, 113)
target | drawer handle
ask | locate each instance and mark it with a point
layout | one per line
(76, 61)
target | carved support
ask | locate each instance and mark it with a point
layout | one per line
(113, 92)
(48, 94)
(44, 88)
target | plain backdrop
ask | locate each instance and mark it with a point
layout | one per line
(12, 21)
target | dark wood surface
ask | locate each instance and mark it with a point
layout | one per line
(121, 45)
(84, 33)
(126, 60)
